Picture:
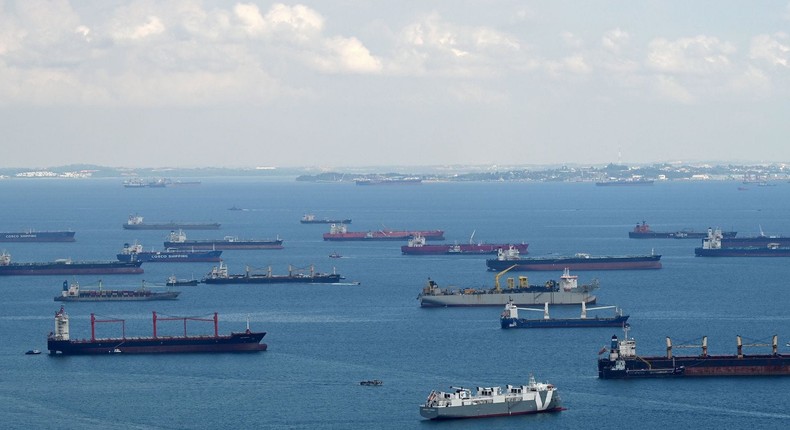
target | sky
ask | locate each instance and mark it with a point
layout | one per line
(334, 83)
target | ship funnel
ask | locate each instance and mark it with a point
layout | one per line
(774, 344)
(740, 346)
(546, 311)
(704, 346)
(669, 348)
(61, 325)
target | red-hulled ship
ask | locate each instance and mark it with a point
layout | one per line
(417, 246)
(59, 342)
(340, 232)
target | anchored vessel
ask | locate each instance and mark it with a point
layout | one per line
(73, 293)
(172, 281)
(623, 362)
(712, 246)
(535, 397)
(510, 257)
(762, 241)
(67, 267)
(566, 292)
(37, 236)
(643, 231)
(59, 342)
(340, 232)
(178, 240)
(510, 318)
(135, 222)
(219, 275)
(136, 253)
(311, 219)
(417, 246)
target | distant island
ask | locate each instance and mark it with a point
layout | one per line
(758, 174)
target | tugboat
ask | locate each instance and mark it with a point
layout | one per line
(510, 319)
(535, 397)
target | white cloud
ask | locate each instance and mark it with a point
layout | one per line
(668, 88)
(771, 49)
(571, 40)
(696, 55)
(615, 40)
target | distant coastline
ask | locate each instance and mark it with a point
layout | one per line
(755, 174)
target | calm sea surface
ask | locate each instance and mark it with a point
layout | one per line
(324, 339)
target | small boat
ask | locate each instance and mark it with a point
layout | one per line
(335, 255)
(33, 352)
(372, 382)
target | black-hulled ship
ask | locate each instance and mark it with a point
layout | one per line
(312, 219)
(219, 275)
(178, 240)
(643, 231)
(622, 361)
(712, 246)
(59, 342)
(761, 241)
(510, 258)
(73, 293)
(510, 318)
(68, 267)
(135, 252)
(136, 222)
(37, 236)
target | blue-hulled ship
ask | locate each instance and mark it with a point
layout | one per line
(510, 258)
(73, 293)
(67, 267)
(38, 236)
(511, 319)
(135, 252)
(712, 246)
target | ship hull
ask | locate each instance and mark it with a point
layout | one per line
(742, 252)
(173, 257)
(675, 235)
(475, 249)
(536, 299)
(563, 322)
(95, 268)
(225, 245)
(758, 241)
(749, 365)
(549, 402)
(576, 263)
(38, 236)
(385, 235)
(118, 296)
(275, 279)
(326, 221)
(235, 342)
(172, 226)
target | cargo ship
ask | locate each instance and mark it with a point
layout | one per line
(510, 318)
(37, 236)
(535, 397)
(581, 261)
(712, 247)
(417, 246)
(68, 267)
(135, 222)
(762, 240)
(565, 292)
(73, 293)
(59, 342)
(219, 275)
(311, 219)
(172, 281)
(135, 252)
(643, 231)
(340, 232)
(178, 240)
(622, 361)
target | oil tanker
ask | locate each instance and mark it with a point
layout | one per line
(510, 257)
(60, 343)
(340, 232)
(73, 293)
(712, 246)
(565, 292)
(643, 231)
(37, 236)
(68, 267)
(417, 246)
(135, 222)
(135, 252)
(178, 240)
(219, 275)
(622, 361)
(760, 241)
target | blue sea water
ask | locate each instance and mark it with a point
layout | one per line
(324, 339)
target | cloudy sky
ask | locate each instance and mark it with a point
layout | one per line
(337, 83)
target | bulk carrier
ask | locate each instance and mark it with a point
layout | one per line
(60, 343)
(622, 361)
(510, 257)
(73, 293)
(219, 275)
(178, 240)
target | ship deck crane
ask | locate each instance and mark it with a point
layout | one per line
(499, 275)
